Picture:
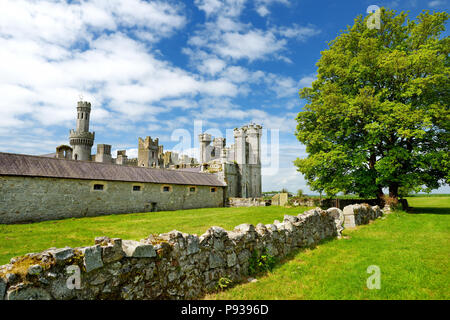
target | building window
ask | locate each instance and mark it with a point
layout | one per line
(166, 189)
(136, 188)
(213, 189)
(192, 189)
(98, 186)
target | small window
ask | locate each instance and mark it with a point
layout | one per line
(136, 188)
(166, 189)
(213, 189)
(192, 189)
(98, 187)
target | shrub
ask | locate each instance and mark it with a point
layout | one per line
(261, 263)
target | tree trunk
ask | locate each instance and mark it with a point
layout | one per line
(380, 196)
(393, 191)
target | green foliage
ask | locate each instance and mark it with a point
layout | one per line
(284, 190)
(223, 283)
(300, 193)
(260, 263)
(378, 114)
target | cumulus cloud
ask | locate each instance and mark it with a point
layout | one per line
(53, 51)
(262, 6)
(226, 36)
(436, 3)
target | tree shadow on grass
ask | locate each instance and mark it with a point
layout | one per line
(428, 210)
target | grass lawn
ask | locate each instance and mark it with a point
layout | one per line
(16, 240)
(411, 249)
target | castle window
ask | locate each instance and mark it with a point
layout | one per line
(166, 189)
(98, 186)
(136, 188)
(192, 189)
(213, 189)
(81, 115)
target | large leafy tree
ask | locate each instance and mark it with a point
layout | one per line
(378, 114)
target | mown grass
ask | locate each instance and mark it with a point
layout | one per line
(16, 240)
(411, 249)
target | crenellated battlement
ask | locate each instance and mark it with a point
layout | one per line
(204, 137)
(148, 143)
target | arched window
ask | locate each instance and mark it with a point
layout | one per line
(76, 157)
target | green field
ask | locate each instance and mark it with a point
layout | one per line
(411, 249)
(16, 240)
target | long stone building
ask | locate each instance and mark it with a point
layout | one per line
(34, 188)
(75, 183)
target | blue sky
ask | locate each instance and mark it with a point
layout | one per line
(156, 67)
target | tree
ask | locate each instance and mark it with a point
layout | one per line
(300, 193)
(378, 114)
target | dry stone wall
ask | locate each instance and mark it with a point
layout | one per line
(247, 202)
(173, 265)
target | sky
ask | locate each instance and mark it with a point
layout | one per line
(168, 69)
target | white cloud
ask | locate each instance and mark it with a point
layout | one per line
(262, 6)
(262, 11)
(212, 66)
(43, 75)
(436, 3)
(226, 36)
(253, 45)
(307, 81)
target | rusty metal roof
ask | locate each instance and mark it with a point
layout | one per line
(35, 166)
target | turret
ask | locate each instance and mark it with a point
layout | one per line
(122, 157)
(205, 141)
(148, 152)
(81, 139)
(240, 152)
(103, 153)
(254, 132)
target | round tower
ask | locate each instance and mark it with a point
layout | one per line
(240, 145)
(81, 139)
(254, 132)
(205, 141)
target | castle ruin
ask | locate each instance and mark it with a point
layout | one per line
(73, 182)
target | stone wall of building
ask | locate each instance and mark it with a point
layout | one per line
(31, 199)
(169, 266)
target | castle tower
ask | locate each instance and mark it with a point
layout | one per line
(254, 132)
(148, 153)
(103, 153)
(64, 152)
(122, 157)
(205, 147)
(81, 139)
(219, 144)
(240, 152)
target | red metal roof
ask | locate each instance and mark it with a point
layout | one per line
(35, 166)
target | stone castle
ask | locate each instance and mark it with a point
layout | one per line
(73, 182)
(238, 165)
